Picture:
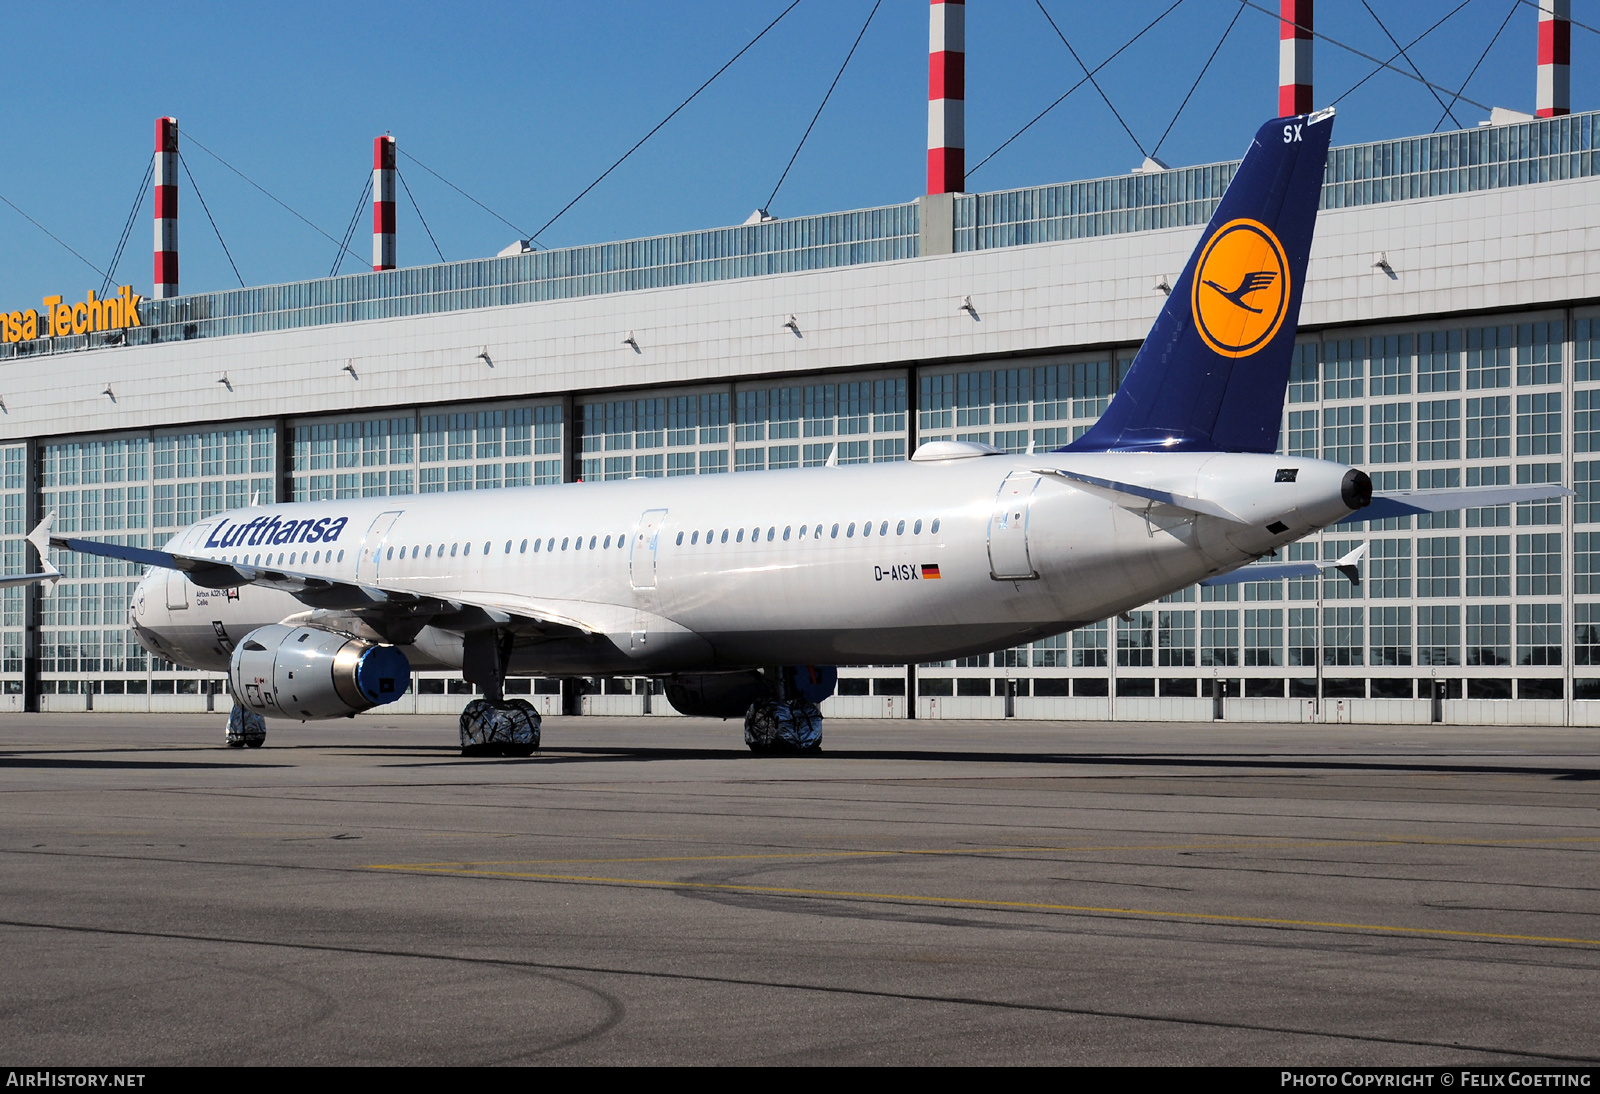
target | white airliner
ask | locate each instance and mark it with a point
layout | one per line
(745, 591)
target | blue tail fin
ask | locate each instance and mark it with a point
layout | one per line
(1211, 375)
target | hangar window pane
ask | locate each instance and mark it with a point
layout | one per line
(1439, 634)
(1488, 357)
(1538, 634)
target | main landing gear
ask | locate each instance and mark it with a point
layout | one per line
(499, 727)
(789, 720)
(246, 728)
(494, 725)
(783, 725)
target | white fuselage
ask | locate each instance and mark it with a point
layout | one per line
(703, 573)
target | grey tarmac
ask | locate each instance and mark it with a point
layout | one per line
(646, 891)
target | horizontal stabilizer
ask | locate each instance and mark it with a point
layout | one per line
(1164, 497)
(1269, 571)
(1349, 565)
(1404, 503)
(48, 575)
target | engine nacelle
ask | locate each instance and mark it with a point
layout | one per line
(729, 694)
(716, 695)
(307, 673)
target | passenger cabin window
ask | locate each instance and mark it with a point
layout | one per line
(466, 550)
(694, 539)
(524, 548)
(564, 541)
(737, 539)
(771, 532)
(850, 532)
(835, 532)
(724, 535)
(916, 529)
(341, 557)
(866, 529)
(900, 529)
(934, 530)
(680, 539)
(786, 533)
(486, 547)
(592, 542)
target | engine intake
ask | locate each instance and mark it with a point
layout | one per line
(308, 673)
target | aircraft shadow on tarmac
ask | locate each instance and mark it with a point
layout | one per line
(567, 755)
(68, 762)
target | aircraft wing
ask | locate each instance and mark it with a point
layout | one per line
(398, 614)
(1402, 503)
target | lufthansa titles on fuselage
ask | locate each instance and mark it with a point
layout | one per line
(264, 531)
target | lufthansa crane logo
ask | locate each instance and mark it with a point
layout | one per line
(1241, 288)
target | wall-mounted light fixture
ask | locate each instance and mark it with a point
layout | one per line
(1380, 261)
(632, 341)
(969, 307)
(109, 394)
(1163, 286)
(225, 382)
(483, 355)
(793, 324)
(350, 367)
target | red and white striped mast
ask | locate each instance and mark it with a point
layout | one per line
(1555, 58)
(1294, 57)
(166, 180)
(383, 203)
(947, 96)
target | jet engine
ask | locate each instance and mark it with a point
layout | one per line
(716, 695)
(730, 694)
(307, 673)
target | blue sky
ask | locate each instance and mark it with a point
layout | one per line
(522, 105)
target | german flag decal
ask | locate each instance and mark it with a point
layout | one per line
(930, 572)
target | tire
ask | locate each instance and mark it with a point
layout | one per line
(520, 752)
(254, 744)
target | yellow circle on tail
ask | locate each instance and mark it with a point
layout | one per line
(1241, 288)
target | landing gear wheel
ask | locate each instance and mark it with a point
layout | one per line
(506, 728)
(773, 726)
(245, 727)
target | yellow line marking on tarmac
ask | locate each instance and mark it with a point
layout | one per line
(1391, 841)
(1024, 905)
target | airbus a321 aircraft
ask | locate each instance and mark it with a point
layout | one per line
(743, 591)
